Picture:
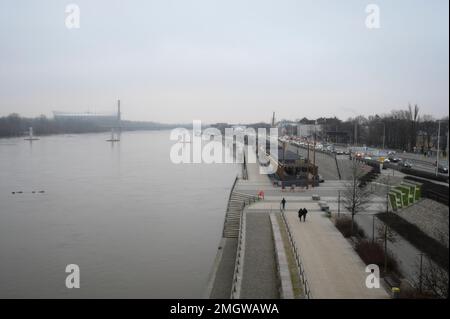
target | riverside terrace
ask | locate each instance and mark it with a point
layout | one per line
(294, 169)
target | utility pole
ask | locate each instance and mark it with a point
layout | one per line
(386, 229)
(446, 150)
(421, 273)
(438, 148)
(339, 203)
(384, 134)
(373, 228)
(385, 247)
(314, 155)
(119, 119)
(307, 161)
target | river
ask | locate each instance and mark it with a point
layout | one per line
(137, 225)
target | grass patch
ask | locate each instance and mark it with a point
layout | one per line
(419, 239)
(293, 270)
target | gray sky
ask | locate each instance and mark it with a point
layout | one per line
(229, 60)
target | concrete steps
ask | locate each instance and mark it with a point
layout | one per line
(236, 204)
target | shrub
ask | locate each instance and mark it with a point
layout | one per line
(344, 225)
(373, 253)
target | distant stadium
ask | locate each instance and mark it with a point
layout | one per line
(110, 119)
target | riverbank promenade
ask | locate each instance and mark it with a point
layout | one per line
(332, 268)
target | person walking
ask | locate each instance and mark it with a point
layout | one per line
(283, 204)
(305, 211)
(300, 213)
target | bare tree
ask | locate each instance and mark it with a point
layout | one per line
(432, 279)
(356, 196)
(413, 117)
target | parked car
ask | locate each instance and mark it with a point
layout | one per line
(443, 168)
(405, 164)
(394, 159)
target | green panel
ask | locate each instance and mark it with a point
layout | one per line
(418, 192)
(412, 191)
(405, 195)
(393, 201)
(398, 198)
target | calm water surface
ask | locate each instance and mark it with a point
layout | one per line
(137, 225)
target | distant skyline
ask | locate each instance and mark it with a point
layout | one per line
(224, 61)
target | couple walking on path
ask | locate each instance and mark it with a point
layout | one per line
(301, 213)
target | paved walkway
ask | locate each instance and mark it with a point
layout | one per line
(224, 270)
(220, 284)
(253, 173)
(332, 267)
(259, 279)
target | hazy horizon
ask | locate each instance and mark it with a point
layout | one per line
(233, 61)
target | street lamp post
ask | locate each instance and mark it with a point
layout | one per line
(438, 148)
(373, 228)
(314, 155)
(308, 167)
(386, 229)
(421, 272)
(339, 203)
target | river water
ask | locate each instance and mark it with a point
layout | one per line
(137, 225)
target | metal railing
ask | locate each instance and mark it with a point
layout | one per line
(231, 191)
(239, 262)
(244, 168)
(300, 268)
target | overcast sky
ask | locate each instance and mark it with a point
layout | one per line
(229, 60)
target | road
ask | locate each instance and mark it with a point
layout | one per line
(326, 163)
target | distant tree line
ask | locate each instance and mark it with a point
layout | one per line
(400, 129)
(15, 125)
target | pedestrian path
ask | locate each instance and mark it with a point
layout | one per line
(332, 267)
(259, 279)
(223, 270)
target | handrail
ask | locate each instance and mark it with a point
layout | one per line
(244, 168)
(239, 262)
(231, 191)
(300, 268)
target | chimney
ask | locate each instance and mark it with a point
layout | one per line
(118, 111)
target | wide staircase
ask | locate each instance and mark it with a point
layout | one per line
(236, 204)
